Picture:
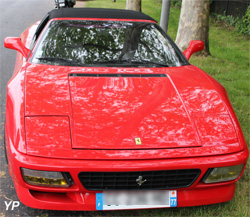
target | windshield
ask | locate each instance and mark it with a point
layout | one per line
(109, 43)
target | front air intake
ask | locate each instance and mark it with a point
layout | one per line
(164, 179)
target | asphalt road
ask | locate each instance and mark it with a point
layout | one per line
(15, 17)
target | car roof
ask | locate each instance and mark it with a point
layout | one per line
(97, 13)
(90, 13)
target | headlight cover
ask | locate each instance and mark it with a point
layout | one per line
(46, 178)
(222, 174)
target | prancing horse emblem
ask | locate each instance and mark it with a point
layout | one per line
(140, 180)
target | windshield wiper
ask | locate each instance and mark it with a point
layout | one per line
(128, 61)
(112, 62)
(122, 61)
(154, 63)
(61, 59)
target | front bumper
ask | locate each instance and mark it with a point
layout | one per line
(76, 197)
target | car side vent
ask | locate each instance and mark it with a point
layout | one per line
(117, 75)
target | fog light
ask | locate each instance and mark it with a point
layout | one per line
(46, 178)
(222, 174)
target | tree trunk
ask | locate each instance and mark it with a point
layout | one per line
(194, 24)
(134, 5)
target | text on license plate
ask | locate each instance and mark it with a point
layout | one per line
(136, 199)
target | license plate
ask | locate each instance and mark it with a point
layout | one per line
(109, 200)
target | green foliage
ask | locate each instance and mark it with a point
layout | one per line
(244, 28)
(176, 3)
(230, 20)
(242, 25)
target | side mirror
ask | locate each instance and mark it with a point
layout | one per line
(194, 46)
(16, 44)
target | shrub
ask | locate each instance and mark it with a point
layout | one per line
(176, 3)
(242, 25)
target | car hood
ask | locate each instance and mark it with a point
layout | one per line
(128, 112)
(143, 109)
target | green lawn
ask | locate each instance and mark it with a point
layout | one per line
(229, 64)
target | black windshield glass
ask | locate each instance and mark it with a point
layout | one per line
(108, 43)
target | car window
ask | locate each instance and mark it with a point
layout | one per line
(109, 43)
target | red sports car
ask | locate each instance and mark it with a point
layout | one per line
(104, 112)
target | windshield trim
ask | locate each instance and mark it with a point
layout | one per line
(104, 19)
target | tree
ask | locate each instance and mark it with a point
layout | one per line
(134, 5)
(194, 24)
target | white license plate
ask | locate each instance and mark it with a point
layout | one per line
(109, 200)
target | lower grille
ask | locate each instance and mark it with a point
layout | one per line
(163, 179)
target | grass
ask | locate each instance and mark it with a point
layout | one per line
(229, 64)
